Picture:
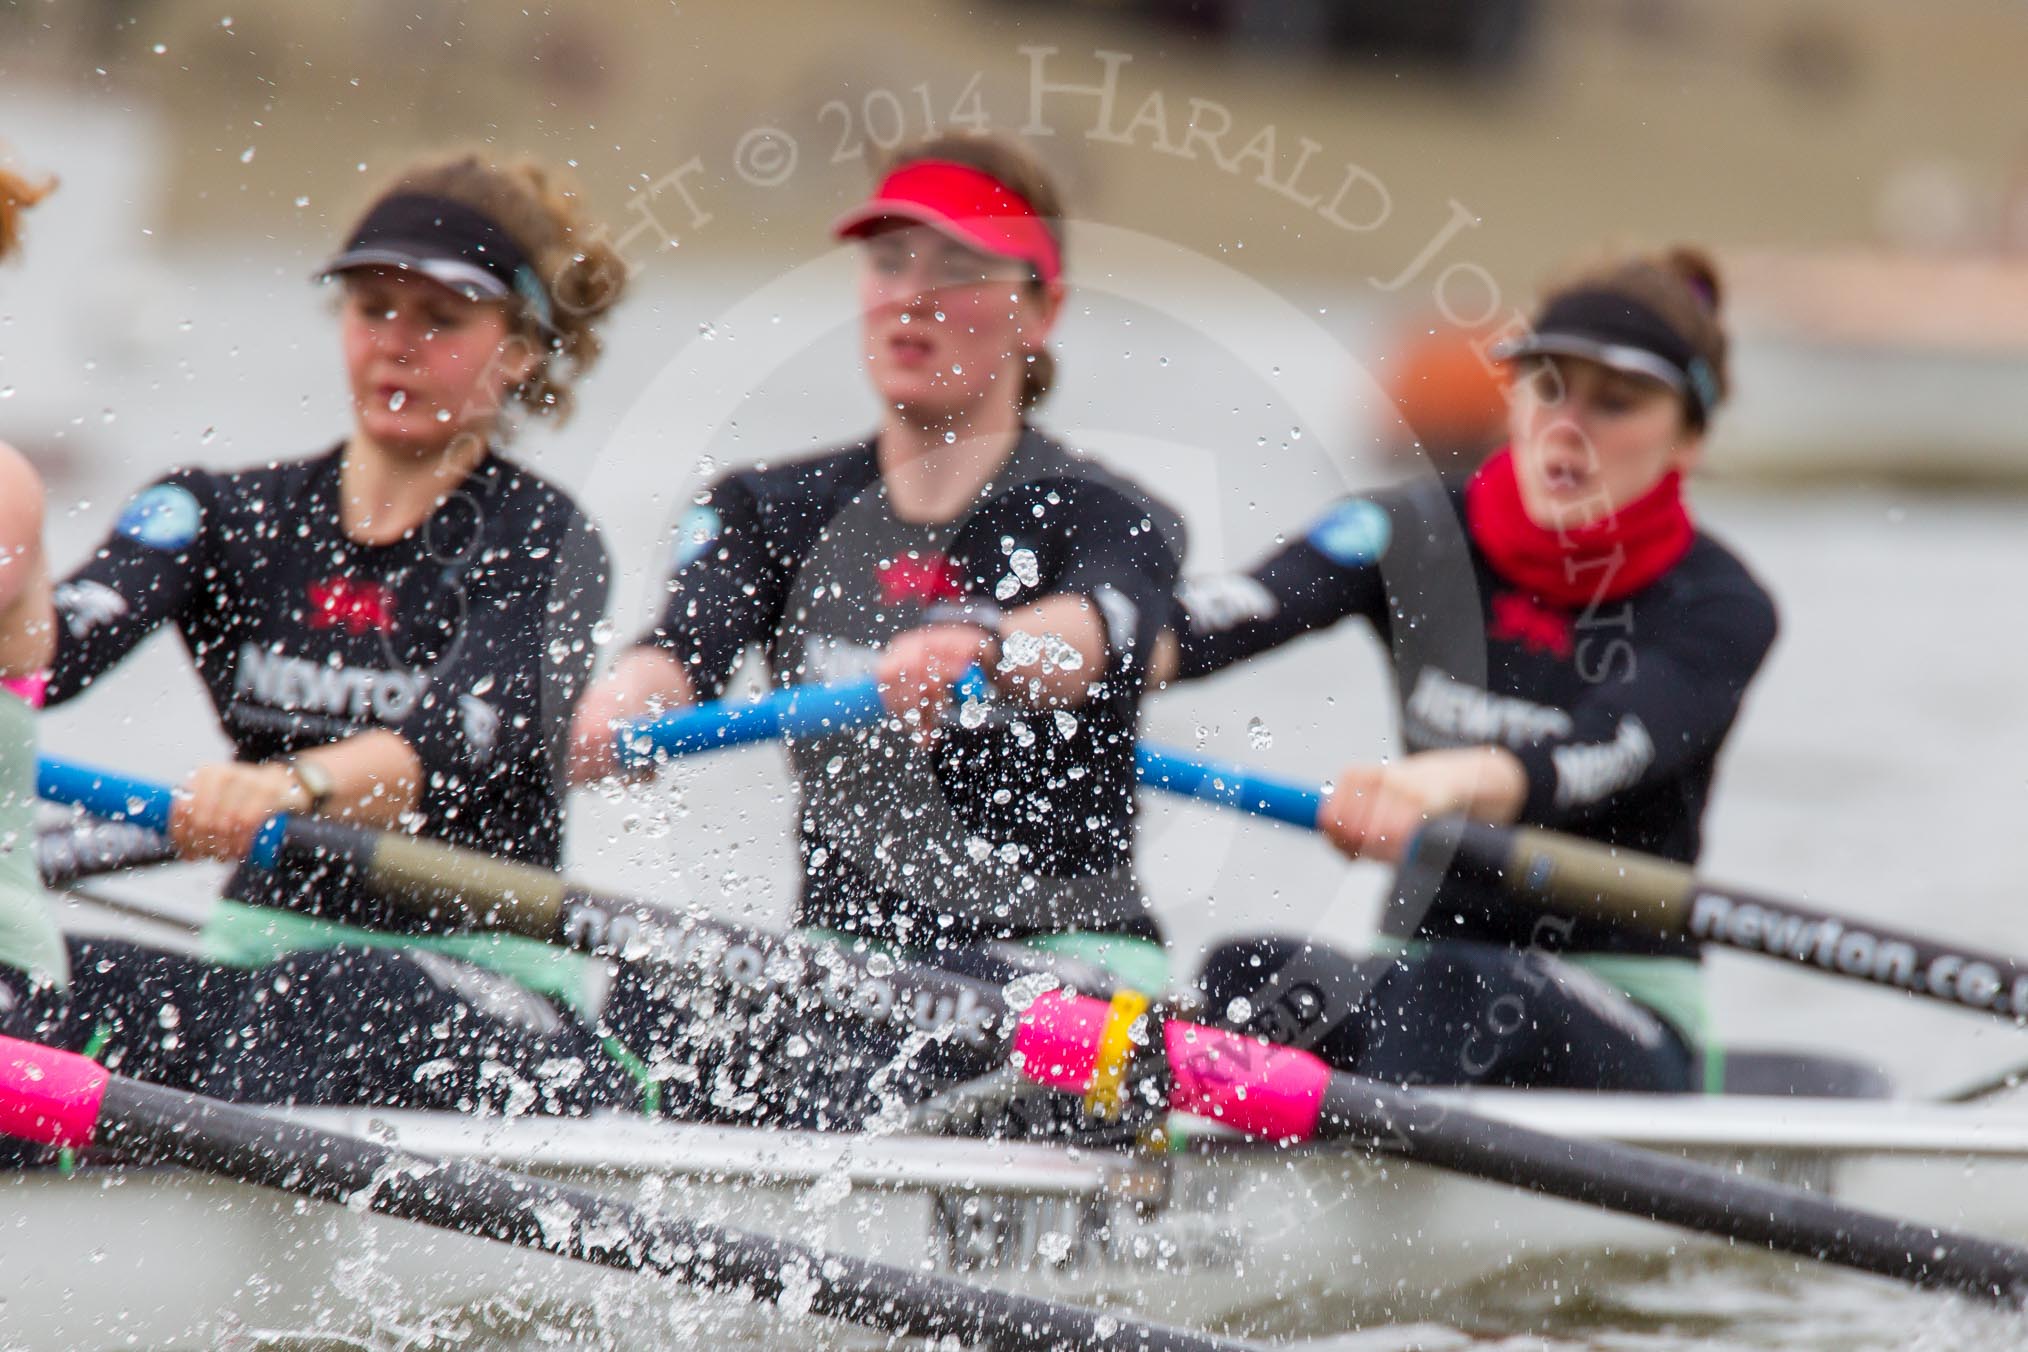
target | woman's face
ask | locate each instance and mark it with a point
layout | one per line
(1588, 440)
(426, 364)
(947, 328)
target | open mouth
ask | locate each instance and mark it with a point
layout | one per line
(1562, 474)
(910, 347)
(393, 398)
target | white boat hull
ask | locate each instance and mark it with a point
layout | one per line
(1224, 1235)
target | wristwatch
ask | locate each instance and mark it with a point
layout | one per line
(981, 615)
(318, 783)
(973, 611)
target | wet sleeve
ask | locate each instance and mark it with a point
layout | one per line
(143, 576)
(496, 717)
(1658, 703)
(1125, 557)
(1310, 584)
(725, 586)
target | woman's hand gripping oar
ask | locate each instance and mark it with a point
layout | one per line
(1536, 868)
(1546, 871)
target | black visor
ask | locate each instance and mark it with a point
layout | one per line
(447, 242)
(1608, 328)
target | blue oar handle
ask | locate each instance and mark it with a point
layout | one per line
(800, 711)
(104, 794)
(123, 798)
(1228, 785)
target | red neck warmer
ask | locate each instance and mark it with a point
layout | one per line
(1604, 560)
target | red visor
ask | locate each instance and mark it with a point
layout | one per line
(970, 206)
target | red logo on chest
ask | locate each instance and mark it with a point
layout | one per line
(357, 607)
(923, 579)
(1536, 627)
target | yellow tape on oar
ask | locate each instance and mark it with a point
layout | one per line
(1115, 1049)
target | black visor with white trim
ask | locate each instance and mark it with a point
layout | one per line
(448, 242)
(1621, 334)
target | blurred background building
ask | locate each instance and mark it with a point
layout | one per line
(1862, 164)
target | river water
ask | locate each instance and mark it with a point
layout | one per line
(1878, 769)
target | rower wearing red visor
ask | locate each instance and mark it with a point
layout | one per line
(955, 534)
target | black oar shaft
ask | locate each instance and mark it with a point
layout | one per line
(1663, 1188)
(1635, 892)
(166, 1125)
(1613, 1177)
(469, 888)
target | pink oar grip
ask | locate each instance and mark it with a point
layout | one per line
(1058, 1040)
(32, 689)
(1251, 1086)
(47, 1096)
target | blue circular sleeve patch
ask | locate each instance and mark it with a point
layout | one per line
(1354, 534)
(698, 532)
(165, 517)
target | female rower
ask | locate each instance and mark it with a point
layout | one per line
(1570, 652)
(394, 633)
(956, 535)
(33, 964)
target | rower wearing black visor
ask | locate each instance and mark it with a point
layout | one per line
(1570, 651)
(394, 633)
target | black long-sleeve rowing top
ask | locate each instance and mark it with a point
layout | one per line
(1016, 821)
(470, 639)
(1616, 710)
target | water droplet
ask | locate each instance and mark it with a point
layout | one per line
(396, 400)
(1257, 735)
(246, 156)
